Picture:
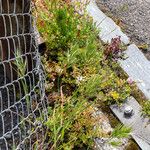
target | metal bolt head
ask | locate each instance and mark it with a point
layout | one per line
(128, 111)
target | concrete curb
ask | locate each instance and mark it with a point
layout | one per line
(108, 28)
(136, 66)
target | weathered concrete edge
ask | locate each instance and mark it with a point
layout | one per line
(108, 28)
(137, 66)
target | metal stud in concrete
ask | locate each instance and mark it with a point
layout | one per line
(140, 125)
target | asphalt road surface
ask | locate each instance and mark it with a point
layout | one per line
(133, 16)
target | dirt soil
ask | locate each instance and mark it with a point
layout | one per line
(134, 18)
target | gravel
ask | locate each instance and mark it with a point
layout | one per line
(134, 15)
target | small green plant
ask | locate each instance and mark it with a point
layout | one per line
(121, 132)
(21, 67)
(146, 108)
(118, 133)
(70, 123)
(20, 63)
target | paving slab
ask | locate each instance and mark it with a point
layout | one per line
(138, 68)
(139, 124)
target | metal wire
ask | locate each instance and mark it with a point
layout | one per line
(23, 106)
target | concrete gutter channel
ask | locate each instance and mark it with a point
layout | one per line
(136, 66)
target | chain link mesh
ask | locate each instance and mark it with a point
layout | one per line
(22, 97)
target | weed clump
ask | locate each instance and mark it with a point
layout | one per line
(79, 76)
(146, 108)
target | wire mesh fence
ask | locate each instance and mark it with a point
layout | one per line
(22, 95)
